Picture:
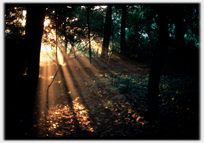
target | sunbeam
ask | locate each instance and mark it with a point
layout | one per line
(58, 117)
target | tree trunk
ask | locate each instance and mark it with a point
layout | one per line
(34, 31)
(179, 41)
(148, 32)
(72, 49)
(88, 10)
(56, 33)
(107, 33)
(66, 40)
(179, 34)
(157, 64)
(123, 25)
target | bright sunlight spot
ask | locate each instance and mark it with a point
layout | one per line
(45, 48)
(102, 6)
(47, 22)
(23, 22)
(24, 12)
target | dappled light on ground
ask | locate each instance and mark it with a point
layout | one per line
(60, 120)
(82, 116)
(81, 101)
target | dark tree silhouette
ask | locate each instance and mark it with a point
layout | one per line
(34, 31)
(88, 10)
(123, 25)
(157, 63)
(107, 32)
(56, 18)
(65, 34)
(179, 30)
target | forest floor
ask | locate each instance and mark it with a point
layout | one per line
(107, 99)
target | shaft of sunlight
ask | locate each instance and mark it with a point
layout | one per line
(60, 58)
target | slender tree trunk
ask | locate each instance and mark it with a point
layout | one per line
(107, 33)
(113, 47)
(34, 31)
(179, 27)
(148, 32)
(179, 41)
(150, 37)
(88, 10)
(72, 49)
(157, 64)
(66, 41)
(56, 33)
(65, 48)
(123, 25)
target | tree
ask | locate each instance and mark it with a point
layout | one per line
(179, 34)
(34, 31)
(65, 34)
(107, 33)
(56, 18)
(88, 10)
(157, 63)
(123, 25)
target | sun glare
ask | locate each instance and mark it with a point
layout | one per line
(60, 58)
(23, 22)
(45, 48)
(24, 12)
(102, 6)
(47, 21)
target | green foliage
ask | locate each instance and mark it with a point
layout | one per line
(129, 83)
(191, 40)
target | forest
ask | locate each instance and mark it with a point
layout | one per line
(102, 71)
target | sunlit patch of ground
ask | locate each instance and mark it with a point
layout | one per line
(60, 120)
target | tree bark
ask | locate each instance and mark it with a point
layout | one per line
(123, 25)
(157, 64)
(34, 31)
(107, 33)
(88, 10)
